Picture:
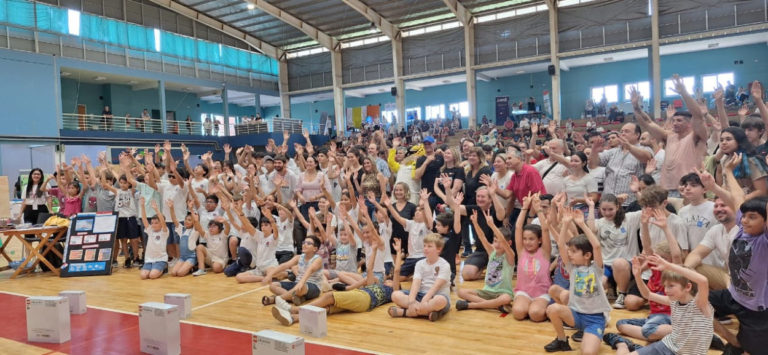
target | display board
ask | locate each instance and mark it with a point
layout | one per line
(502, 109)
(90, 243)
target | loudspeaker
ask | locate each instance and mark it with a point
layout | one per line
(551, 69)
(393, 91)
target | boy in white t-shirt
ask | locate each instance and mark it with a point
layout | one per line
(698, 215)
(215, 254)
(257, 247)
(284, 223)
(417, 230)
(430, 293)
(155, 256)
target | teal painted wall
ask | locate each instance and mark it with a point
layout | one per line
(576, 83)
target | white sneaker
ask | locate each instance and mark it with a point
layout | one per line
(282, 304)
(619, 303)
(282, 315)
(199, 272)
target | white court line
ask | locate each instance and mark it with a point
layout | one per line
(223, 327)
(229, 298)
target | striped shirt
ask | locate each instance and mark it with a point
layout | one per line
(691, 329)
(620, 166)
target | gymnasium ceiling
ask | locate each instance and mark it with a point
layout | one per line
(336, 18)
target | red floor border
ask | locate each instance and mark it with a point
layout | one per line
(108, 332)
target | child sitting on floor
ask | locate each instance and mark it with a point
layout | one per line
(308, 279)
(417, 230)
(189, 233)
(430, 293)
(155, 256)
(587, 303)
(692, 327)
(215, 253)
(497, 290)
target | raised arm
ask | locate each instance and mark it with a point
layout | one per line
(398, 218)
(660, 220)
(509, 254)
(697, 123)
(643, 119)
(597, 253)
(520, 223)
(702, 295)
(639, 263)
(479, 231)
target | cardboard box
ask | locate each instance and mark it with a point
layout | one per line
(313, 321)
(48, 319)
(268, 342)
(159, 328)
(183, 301)
(77, 303)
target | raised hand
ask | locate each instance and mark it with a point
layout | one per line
(590, 202)
(396, 142)
(707, 180)
(678, 85)
(659, 218)
(578, 216)
(635, 97)
(459, 199)
(756, 91)
(743, 110)
(719, 94)
(424, 195)
(733, 162)
(658, 263)
(227, 148)
(527, 201)
(473, 217)
(645, 216)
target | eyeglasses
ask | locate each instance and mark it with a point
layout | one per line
(308, 242)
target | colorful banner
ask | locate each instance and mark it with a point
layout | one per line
(357, 117)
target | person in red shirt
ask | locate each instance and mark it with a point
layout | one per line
(525, 180)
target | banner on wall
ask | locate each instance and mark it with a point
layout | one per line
(547, 103)
(357, 117)
(502, 109)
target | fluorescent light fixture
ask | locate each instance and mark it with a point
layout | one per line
(100, 78)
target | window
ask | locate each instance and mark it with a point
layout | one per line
(710, 82)
(643, 87)
(157, 40)
(389, 117)
(610, 92)
(73, 21)
(462, 107)
(688, 81)
(436, 111)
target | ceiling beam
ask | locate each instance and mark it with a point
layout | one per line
(254, 42)
(386, 27)
(321, 37)
(458, 9)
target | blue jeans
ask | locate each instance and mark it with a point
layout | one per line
(648, 325)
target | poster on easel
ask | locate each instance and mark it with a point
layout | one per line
(90, 243)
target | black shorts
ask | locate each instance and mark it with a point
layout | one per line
(479, 259)
(128, 228)
(409, 266)
(753, 325)
(313, 291)
(633, 290)
(283, 256)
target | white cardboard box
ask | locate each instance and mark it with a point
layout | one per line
(183, 301)
(48, 319)
(77, 303)
(313, 321)
(268, 342)
(159, 328)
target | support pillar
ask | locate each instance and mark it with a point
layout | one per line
(655, 61)
(338, 93)
(554, 50)
(225, 103)
(285, 99)
(397, 63)
(469, 63)
(257, 104)
(161, 96)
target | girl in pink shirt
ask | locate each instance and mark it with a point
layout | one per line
(72, 203)
(533, 251)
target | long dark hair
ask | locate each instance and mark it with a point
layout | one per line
(583, 158)
(618, 219)
(747, 151)
(39, 192)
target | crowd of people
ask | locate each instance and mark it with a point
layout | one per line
(554, 223)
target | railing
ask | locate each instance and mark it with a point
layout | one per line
(90, 122)
(274, 125)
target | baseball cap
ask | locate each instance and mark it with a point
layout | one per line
(429, 139)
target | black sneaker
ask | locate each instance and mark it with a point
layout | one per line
(717, 343)
(578, 336)
(462, 305)
(558, 345)
(614, 339)
(127, 264)
(139, 262)
(291, 276)
(725, 320)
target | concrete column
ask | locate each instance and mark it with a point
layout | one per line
(397, 63)
(554, 50)
(338, 93)
(655, 61)
(469, 62)
(161, 96)
(225, 109)
(285, 99)
(257, 103)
